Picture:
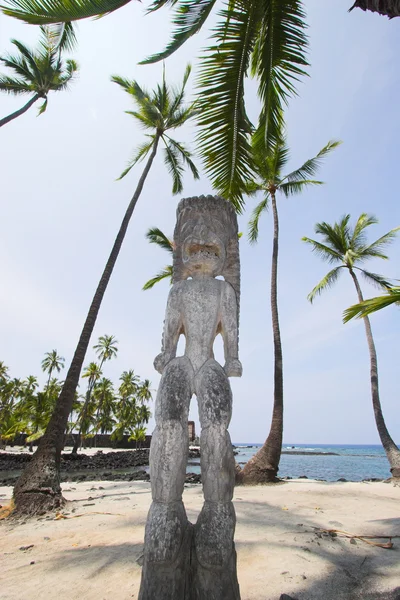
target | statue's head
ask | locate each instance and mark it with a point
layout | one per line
(206, 239)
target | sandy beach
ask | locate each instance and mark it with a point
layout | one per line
(94, 553)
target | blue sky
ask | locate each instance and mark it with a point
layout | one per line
(61, 208)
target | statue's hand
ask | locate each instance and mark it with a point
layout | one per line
(233, 367)
(161, 361)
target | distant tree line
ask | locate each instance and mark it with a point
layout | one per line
(103, 407)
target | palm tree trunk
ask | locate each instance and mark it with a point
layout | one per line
(19, 112)
(38, 488)
(263, 466)
(389, 8)
(392, 451)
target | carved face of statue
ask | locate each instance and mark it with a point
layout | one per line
(203, 251)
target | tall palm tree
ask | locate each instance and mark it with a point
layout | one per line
(270, 181)
(163, 110)
(52, 362)
(347, 247)
(38, 72)
(367, 307)
(156, 236)
(265, 39)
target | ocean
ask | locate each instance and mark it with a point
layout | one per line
(351, 462)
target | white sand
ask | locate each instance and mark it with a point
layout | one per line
(94, 557)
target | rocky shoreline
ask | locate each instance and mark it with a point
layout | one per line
(97, 467)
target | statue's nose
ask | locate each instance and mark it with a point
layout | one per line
(201, 231)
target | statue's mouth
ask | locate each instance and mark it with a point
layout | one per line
(201, 251)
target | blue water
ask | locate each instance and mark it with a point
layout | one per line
(353, 462)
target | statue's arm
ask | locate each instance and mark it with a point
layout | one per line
(172, 331)
(229, 330)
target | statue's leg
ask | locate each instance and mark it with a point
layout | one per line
(168, 533)
(214, 556)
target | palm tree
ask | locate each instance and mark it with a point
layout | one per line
(262, 38)
(3, 371)
(144, 392)
(163, 110)
(92, 374)
(156, 236)
(106, 349)
(104, 397)
(389, 8)
(271, 180)
(38, 72)
(52, 362)
(348, 248)
(365, 308)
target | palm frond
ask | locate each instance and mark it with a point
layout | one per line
(42, 108)
(179, 94)
(338, 236)
(19, 65)
(376, 279)
(62, 36)
(252, 187)
(14, 86)
(224, 124)
(365, 308)
(190, 15)
(290, 188)
(139, 154)
(41, 12)
(174, 166)
(164, 274)
(155, 236)
(375, 249)
(325, 283)
(29, 57)
(278, 61)
(185, 156)
(157, 4)
(311, 166)
(327, 253)
(358, 238)
(255, 218)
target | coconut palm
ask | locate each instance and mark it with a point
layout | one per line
(52, 362)
(262, 38)
(104, 397)
(365, 308)
(347, 247)
(162, 111)
(271, 180)
(38, 72)
(144, 391)
(156, 236)
(92, 373)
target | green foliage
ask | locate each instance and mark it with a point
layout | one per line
(25, 408)
(38, 72)
(262, 38)
(38, 12)
(348, 246)
(269, 178)
(159, 111)
(367, 307)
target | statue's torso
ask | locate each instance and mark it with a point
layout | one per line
(200, 306)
